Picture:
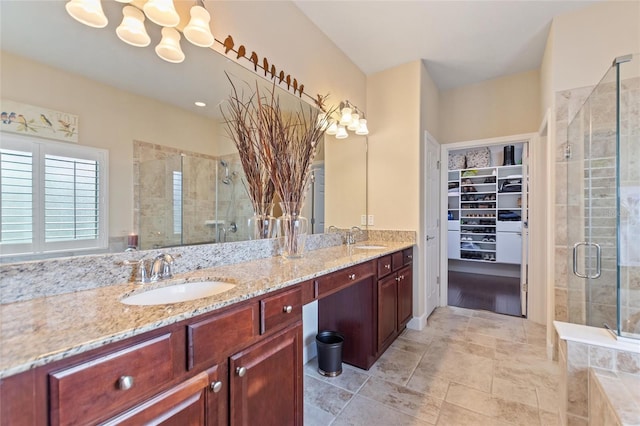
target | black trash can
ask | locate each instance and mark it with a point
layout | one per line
(329, 353)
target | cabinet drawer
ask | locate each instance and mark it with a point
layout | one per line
(211, 340)
(397, 260)
(407, 256)
(104, 386)
(183, 404)
(280, 309)
(338, 280)
(384, 266)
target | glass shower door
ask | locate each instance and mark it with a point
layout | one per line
(592, 208)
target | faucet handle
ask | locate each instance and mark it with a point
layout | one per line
(143, 271)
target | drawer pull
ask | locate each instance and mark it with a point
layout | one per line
(387, 266)
(287, 309)
(352, 277)
(241, 371)
(125, 382)
(397, 279)
(401, 277)
(410, 256)
(216, 386)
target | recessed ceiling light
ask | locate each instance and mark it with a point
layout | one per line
(201, 104)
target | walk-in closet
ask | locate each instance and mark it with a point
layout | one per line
(487, 227)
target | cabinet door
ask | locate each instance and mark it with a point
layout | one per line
(453, 244)
(266, 381)
(182, 405)
(509, 247)
(387, 310)
(405, 296)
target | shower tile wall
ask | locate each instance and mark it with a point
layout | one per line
(630, 202)
(153, 195)
(234, 205)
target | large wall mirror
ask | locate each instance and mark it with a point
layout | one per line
(174, 176)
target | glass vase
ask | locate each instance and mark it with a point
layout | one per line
(262, 225)
(292, 228)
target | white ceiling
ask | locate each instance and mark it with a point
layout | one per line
(462, 42)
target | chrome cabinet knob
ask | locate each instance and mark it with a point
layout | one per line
(387, 266)
(410, 256)
(125, 382)
(241, 371)
(287, 309)
(216, 386)
(352, 277)
(401, 277)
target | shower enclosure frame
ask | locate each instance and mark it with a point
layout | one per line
(602, 185)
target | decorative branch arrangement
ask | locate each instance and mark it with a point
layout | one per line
(289, 145)
(241, 121)
(277, 148)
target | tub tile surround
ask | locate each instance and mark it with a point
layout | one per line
(44, 326)
(607, 386)
(583, 349)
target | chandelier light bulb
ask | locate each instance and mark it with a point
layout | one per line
(169, 47)
(355, 122)
(362, 128)
(197, 30)
(333, 128)
(342, 133)
(132, 30)
(345, 119)
(162, 12)
(88, 12)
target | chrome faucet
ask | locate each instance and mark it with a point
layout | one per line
(351, 234)
(161, 267)
(152, 270)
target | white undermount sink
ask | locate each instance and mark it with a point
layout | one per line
(178, 293)
(370, 247)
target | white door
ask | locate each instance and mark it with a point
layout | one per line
(524, 240)
(432, 228)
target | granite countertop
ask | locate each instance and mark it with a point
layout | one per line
(47, 329)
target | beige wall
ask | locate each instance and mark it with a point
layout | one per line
(585, 42)
(430, 104)
(503, 106)
(393, 100)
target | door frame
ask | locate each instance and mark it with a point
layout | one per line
(530, 139)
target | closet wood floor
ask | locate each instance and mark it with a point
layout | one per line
(485, 292)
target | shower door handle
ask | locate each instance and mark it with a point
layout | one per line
(598, 260)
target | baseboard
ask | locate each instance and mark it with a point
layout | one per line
(309, 352)
(418, 323)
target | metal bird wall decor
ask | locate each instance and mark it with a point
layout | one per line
(269, 69)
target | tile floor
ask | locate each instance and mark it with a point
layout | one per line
(465, 368)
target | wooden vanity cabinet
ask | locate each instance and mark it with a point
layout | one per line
(394, 296)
